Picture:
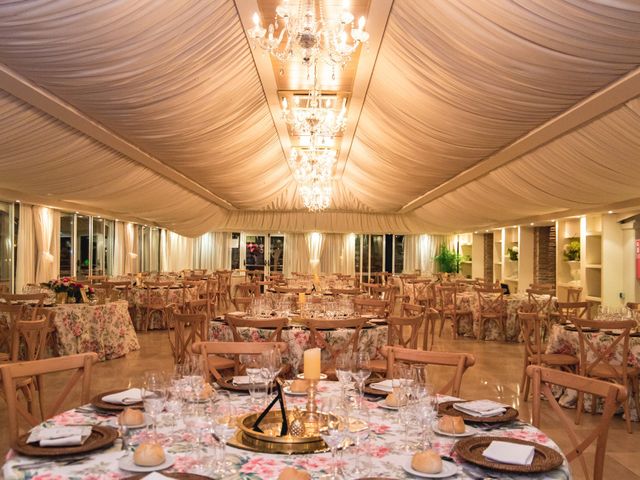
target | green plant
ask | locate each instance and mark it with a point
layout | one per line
(447, 260)
(513, 253)
(572, 251)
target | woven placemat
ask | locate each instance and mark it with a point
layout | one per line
(446, 408)
(570, 328)
(545, 458)
(102, 405)
(227, 384)
(100, 437)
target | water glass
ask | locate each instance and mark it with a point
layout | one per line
(224, 426)
(334, 429)
(361, 371)
(344, 369)
(359, 421)
(154, 395)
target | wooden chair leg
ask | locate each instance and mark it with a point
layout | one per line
(442, 320)
(579, 407)
(627, 414)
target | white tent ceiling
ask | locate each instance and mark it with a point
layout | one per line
(476, 113)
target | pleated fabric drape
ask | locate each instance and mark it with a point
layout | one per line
(118, 250)
(130, 248)
(338, 253)
(296, 256)
(420, 251)
(27, 251)
(44, 231)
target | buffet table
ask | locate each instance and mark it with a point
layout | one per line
(372, 338)
(383, 457)
(104, 329)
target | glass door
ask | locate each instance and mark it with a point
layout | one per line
(276, 253)
(254, 252)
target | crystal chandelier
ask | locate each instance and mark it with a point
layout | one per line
(316, 195)
(298, 34)
(314, 114)
(313, 169)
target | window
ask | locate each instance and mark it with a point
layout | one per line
(6, 246)
(82, 257)
(235, 250)
(66, 244)
(109, 242)
(377, 253)
(398, 254)
(97, 247)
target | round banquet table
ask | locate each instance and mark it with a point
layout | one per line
(104, 329)
(567, 342)
(175, 296)
(382, 455)
(372, 338)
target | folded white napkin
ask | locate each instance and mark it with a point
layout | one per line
(237, 314)
(385, 385)
(59, 436)
(128, 397)
(241, 380)
(507, 452)
(481, 408)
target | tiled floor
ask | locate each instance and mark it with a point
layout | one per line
(496, 375)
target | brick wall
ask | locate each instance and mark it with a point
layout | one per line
(488, 257)
(544, 254)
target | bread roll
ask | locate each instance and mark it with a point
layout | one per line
(207, 392)
(290, 473)
(148, 455)
(130, 417)
(427, 462)
(451, 424)
(299, 386)
(393, 400)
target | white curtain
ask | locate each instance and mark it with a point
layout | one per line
(130, 248)
(221, 251)
(296, 255)
(338, 253)
(43, 227)
(164, 250)
(315, 242)
(27, 251)
(55, 243)
(420, 250)
(180, 252)
(119, 251)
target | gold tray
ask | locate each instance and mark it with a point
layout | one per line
(270, 441)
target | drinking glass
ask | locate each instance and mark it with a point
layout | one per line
(154, 395)
(334, 429)
(359, 421)
(344, 369)
(426, 412)
(406, 413)
(271, 364)
(224, 426)
(253, 368)
(361, 371)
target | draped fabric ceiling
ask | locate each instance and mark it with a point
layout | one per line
(154, 111)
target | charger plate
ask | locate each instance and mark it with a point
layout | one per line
(112, 407)
(100, 437)
(446, 408)
(177, 476)
(545, 458)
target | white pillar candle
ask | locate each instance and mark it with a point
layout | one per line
(312, 364)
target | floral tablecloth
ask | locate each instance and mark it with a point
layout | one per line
(104, 329)
(567, 342)
(492, 331)
(372, 339)
(176, 296)
(382, 455)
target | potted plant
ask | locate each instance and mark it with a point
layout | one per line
(571, 253)
(512, 252)
(447, 260)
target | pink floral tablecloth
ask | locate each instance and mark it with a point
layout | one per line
(372, 339)
(381, 457)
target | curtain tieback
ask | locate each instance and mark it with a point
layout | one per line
(46, 257)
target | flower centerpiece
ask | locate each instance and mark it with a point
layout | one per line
(68, 290)
(512, 252)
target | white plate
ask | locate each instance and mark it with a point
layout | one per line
(323, 376)
(448, 469)
(468, 432)
(382, 404)
(287, 391)
(126, 463)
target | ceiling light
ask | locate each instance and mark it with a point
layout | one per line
(532, 224)
(316, 195)
(304, 34)
(610, 212)
(315, 114)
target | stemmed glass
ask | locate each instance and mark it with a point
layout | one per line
(406, 413)
(271, 365)
(253, 367)
(333, 428)
(361, 371)
(359, 421)
(154, 395)
(224, 426)
(344, 370)
(426, 411)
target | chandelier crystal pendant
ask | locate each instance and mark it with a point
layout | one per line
(298, 34)
(316, 195)
(314, 114)
(313, 170)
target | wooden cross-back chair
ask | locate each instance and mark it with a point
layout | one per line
(243, 304)
(386, 293)
(96, 279)
(285, 289)
(10, 315)
(211, 295)
(118, 290)
(534, 349)
(156, 300)
(246, 289)
(402, 332)
(429, 326)
(13, 373)
(567, 311)
(599, 360)
(492, 308)
(276, 324)
(213, 359)
(317, 338)
(371, 306)
(184, 330)
(449, 308)
(457, 360)
(199, 306)
(614, 395)
(36, 299)
(191, 290)
(223, 295)
(542, 299)
(573, 294)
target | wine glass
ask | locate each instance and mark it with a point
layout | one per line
(272, 364)
(359, 421)
(154, 395)
(224, 426)
(344, 369)
(253, 368)
(426, 411)
(361, 371)
(333, 428)
(406, 413)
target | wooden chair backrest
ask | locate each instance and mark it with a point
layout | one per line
(531, 327)
(283, 289)
(243, 303)
(458, 360)
(93, 279)
(24, 297)
(403, 331)
(371, 306)
(601, 354)
(115, 289)
(273, 323)
(573, 294)
(184, 330)
(448, 296)
(542, 286)
(10, 315)
(224, 281)
(157, 293)
(32, 334)
(11, 373)
(201, 307)
(541, 299)
(491, 301)
(205, 349)
(411, 310)
(246, 289)
(316, 337)
(613, 394)
(345, 291)
(570, 310)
